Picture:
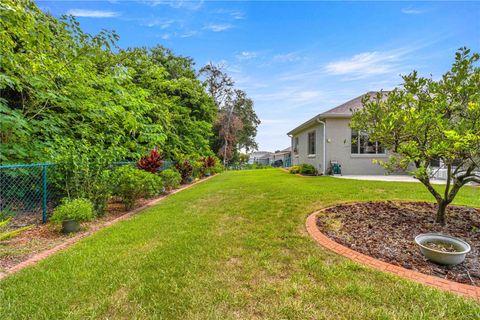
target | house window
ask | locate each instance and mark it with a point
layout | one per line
(362, 145)
(295, 145)
(435, 163)
(311, 142)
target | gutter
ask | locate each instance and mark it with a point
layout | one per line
(324, 145)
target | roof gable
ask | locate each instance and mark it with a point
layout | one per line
(342, 111)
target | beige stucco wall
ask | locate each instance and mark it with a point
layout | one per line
(302, 157)
(338, 146)
(339, 149)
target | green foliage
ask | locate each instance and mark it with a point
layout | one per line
(73, 209)
(429, 120)
(58, 82)
(255, 166)
(294, 169)
(131, 184)
(236, 122)
(171, 178)
(5, 214)
(82, 171)
(218, 167)
(307, 169)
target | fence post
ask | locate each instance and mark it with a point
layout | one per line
(45, 195)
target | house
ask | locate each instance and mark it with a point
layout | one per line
(259, 157)
(279, 158)
(328, 138)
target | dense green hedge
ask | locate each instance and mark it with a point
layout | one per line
(60, 85)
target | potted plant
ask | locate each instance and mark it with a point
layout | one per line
(71, 212)
(442, 249)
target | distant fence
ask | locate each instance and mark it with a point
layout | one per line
(27, 191)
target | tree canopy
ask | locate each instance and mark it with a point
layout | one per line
(237, 123)
(59, 83)
(429, 120)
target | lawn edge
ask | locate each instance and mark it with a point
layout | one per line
(71, 241)
(443, 284)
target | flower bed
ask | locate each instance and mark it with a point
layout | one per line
(386, 231)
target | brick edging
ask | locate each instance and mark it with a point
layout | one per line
(443, 284)
(70, 241)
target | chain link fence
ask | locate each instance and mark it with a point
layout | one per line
(28, 191)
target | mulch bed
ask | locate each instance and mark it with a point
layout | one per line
(46, 236)
(386, 231)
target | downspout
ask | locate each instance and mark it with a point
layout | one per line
(324, 146)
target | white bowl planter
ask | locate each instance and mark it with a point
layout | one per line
(443, 257)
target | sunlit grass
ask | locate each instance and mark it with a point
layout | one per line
(234, 247)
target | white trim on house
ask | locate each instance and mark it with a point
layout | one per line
(333, 142)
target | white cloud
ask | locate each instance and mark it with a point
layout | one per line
(411, 11)
(366, 64)
(289, 95)
(177, 4)
(162, 23)
(234, 14)
(188, 34)
(286, 57)
(93, 13)
(237, 15)
(246, 55)
(217, 27)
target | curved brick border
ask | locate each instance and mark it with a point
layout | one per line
(70, 241)
(447, 285)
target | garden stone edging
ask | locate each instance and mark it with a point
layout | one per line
(70, 241)
(443, 284)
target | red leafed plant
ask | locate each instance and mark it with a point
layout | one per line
(185, 169)
(208, 162)
(151, 163)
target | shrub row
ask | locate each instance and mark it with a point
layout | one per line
(89, 188)
(304, 168)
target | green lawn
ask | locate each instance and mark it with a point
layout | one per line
(234, 247)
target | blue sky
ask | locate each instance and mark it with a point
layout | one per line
(295, 59)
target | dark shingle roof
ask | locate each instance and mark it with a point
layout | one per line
(342, 111)
(347, 107)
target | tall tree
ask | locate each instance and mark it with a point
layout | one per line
(237, 122)
(427, 120)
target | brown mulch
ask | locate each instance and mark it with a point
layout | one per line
(46, 236)
(386, 231)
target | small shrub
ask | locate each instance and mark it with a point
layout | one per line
(151, 163)
(73, 209)
(255, 166)
(218, 167)
(81, 170)
(154, 185)
(198, 169)
(132, 184)
(171, 178)
(294, 169)
(306, 168)
(185, 169)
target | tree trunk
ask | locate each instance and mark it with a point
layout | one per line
(442, 206)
